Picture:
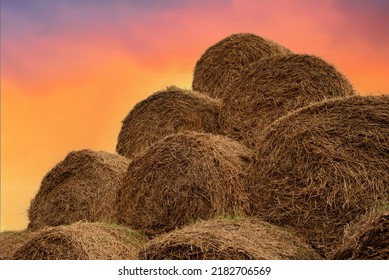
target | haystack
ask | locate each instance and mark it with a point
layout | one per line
(367, 238)
(82, 241)
(182, 178)
(166, 112)
(81, 187)
(10, 241)
(223, 62)
(228, 239)
(270, 88)
(320, 167)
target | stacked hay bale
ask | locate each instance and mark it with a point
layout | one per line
(228, 239)
(272, 87)
(81, 187)
(320, 167)
(182, 178)
(10, 241)
(223, 62)
(166, 112)
(300, 160)
(367, 238)
(82, 241)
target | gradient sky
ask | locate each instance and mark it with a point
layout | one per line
(71, 70)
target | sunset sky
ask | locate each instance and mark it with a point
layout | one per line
(71, 70)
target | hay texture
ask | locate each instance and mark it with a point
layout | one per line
(166, 112)
(82, 241)
(367, 238)
(81, 187)
(320, 167)
(270, 88)
(223, 62)
(228, 239)
(182, 178)
(10, 241)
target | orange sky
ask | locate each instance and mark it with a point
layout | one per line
(70, 72)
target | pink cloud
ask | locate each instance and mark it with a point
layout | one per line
(84, 36)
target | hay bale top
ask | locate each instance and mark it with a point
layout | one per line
(268, 89)
(228, 239)
(82, 241)
(166, 112)
(182, 178)
(10, 241)
(81, 187)
(82, 164)
(222, 63)
(320, 167)
(367, 238)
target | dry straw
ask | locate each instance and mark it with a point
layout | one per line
(366, 238)
(81, 187)
(270, 88)
(222, 63)
(182, 178)
(82, 241)
(166, 112)
(228, 239)
(320, 167)
(10, 241)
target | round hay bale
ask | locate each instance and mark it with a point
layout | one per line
(367, 238)
(82, 241)
(166, 112)
(223, 62)
(272, 87)
(182, 178)
(81, 187)
(10, 241)
(228, 239)
(321, 166)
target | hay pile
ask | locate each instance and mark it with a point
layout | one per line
(10, 241)
(182, 178)
(81, 187)
(366, 238)
(301, 160)
(82, 241)
(320, 167)
(272, 87)
(166, 112)
(228, 239)
(223, 62)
